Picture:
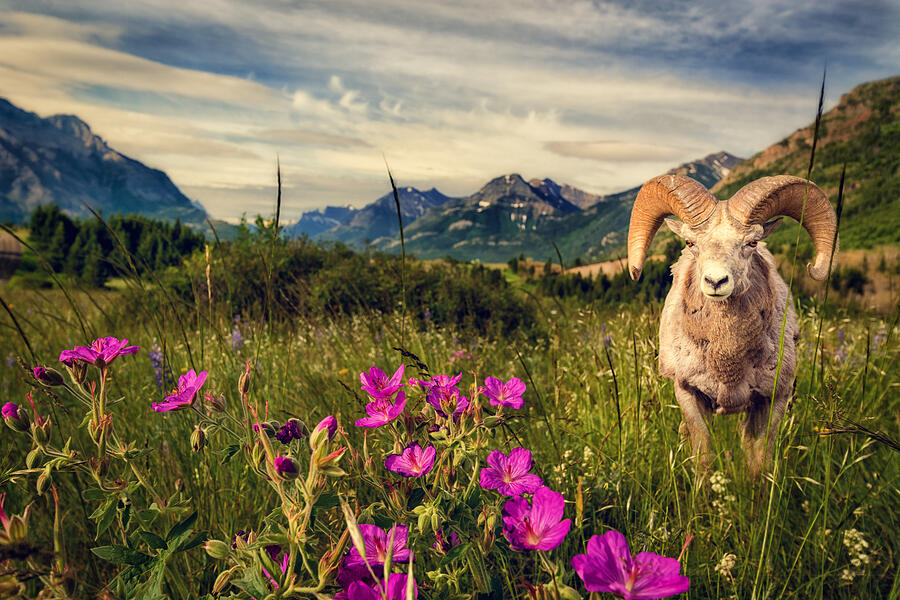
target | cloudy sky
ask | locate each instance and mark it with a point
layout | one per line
(601, 95)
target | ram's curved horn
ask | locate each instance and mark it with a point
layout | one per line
(660, 197)
(769, 197)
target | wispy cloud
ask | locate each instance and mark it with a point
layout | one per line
(599, 94)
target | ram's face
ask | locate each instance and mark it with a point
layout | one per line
(723, 250)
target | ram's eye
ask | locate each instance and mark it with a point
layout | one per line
(690, 244)
(752, 244)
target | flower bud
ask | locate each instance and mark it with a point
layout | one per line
(48, 377)
(15, 417)
(287, 468)
(77, 371)
(214, 403)
(223, 579)
(198, 439)
(328, 424)
(40, 430)
(217, 549)
(244, 381)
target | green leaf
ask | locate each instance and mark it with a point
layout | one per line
(94, 494)
(193, 542)
(152, 540)
(455, 553)
(474, 497)
(180, 531)
(137, 453)
(228, 452)
(104, 514)
(121, 555)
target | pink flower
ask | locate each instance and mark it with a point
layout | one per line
(377, 384)
(504, 394)
(382, 411)
(412, 462)
(376, 542)
(102, 350)
(329, 423)
(441, 381)
(447, 401)
(10, 410)
(609, 567)
(286, 467)
(509, 474)
(183, 396)
(535, 527)
(394, 590)
(444, 544)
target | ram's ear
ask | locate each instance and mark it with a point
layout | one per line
(769, 227)
(675, 226)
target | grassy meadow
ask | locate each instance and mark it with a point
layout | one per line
(601, 423)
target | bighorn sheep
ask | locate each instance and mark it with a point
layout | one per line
(721, 326)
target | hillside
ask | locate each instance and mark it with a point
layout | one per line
(863, 131)
(59, 160)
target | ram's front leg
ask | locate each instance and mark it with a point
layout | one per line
(758, 433)
(695, 423)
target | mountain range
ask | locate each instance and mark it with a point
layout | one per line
(59, 160)
(507, 217)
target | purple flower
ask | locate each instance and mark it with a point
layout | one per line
(382, 411)
(283, 564)
(376, 542)
(329, 423)
(157, 361)
(105, 350)
(286, 467)
(509, 474)
(446, 400)
(412, 462)
(10, 410)
(394, 590)
(609, 567)
(377, 384)
(444, 544)
(536, 526)
(504, 394)
(183, 396)
(293, 429)
(441, 381)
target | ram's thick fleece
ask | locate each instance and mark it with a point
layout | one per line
(723, 325)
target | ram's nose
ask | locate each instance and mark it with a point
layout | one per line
(715, 284)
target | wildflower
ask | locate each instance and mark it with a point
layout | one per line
(444, 544)
(282, 564)
(183, 396)
(376, 542)
(509, 474)
(382, 411)
(15, 528)
(329, 423)
(48, 377)
(15, 417)
(237, 339)
(538, 526)
(102, 351)
(286, 467)
(609, 567)
(726, 564)
(437, 381)
(507, 394)
(157, 361)
(395, 589)
(447, 401)
(293, 429)
(412, 462)
(377, 384)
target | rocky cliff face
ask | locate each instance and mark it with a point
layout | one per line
(58, 160)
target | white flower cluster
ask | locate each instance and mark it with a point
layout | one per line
(726, 565)
(860, 555)
(718, 484)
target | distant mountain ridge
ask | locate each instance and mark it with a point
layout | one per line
(58, 160)
(509, 216)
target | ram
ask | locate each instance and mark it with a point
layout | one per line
(722, 326)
